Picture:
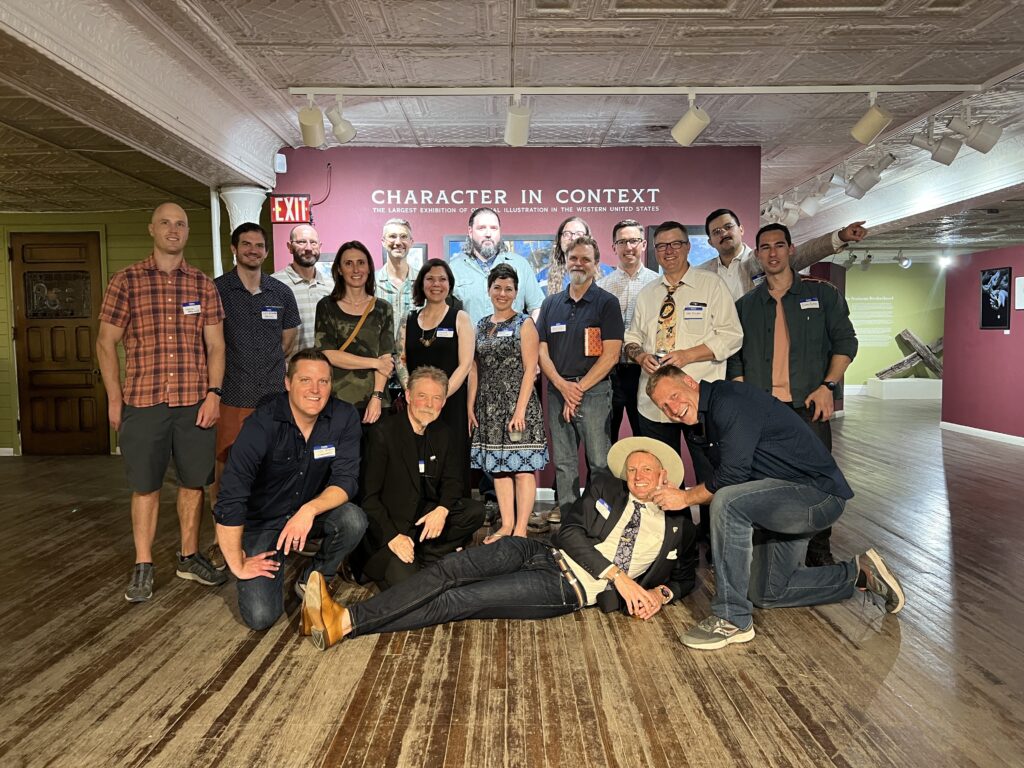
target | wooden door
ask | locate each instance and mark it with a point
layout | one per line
(58, 288)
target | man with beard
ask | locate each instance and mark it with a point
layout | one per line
(394, 280)
(737, 264)
(580, 332)
(412, 485)
(482, 251)
(307, 282)
(798, 342)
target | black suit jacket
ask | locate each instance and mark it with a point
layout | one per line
(391, 477)
(584, 527)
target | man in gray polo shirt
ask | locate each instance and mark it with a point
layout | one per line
(580, 332)
(308, 283)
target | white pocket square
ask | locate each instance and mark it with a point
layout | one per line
(673, 555)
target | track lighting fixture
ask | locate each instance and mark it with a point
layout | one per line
(945, 261)
(874, 121)
(943, 149)
(790, 214)
(342, 129)
(864, 265)
(517, 124)
(981, 136)
(903, 261)
(868, 176)
(850, 261)
(311, 124)
(691, 124)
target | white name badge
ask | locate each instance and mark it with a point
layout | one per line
(758, 279)
(693, 313)
(445, 333)
(422, 466)
(323, 452)
(602, 508)
(809, 304)
(504, 334)
(191, 308)
(269, 313)
(558, 328)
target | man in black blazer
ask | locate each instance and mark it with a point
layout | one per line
(617, 548)
(412, 487)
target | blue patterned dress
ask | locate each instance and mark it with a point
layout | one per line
(499, 363)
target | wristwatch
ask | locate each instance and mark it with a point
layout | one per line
(666, 594)
(379, 394)
(831, 385)
(216, 390)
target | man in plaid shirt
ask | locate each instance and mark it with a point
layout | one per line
(169, 317)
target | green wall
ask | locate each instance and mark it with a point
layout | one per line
(883, 301)
(124, 239)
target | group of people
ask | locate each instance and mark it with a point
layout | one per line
(386, 487)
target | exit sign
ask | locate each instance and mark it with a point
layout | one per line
(289, 209)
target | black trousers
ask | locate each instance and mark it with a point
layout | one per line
(625, 378)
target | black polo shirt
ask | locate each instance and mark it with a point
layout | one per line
(562, 324)
(253, 324)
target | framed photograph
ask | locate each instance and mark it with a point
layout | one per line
(995, 299)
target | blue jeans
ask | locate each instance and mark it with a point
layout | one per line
(514, 578)
(590, 424)
(261, 600)
(759, 534)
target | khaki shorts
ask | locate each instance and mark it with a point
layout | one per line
(150, 436)
(228, 426)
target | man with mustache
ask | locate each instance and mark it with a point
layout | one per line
(482, 251)
(737, 264)
(412, 484)
(308, 283)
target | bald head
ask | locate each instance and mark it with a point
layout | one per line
(304, 246)
(169, 229)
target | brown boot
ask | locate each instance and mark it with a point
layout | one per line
(322, 613)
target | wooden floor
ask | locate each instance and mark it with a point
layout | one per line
(89, 680)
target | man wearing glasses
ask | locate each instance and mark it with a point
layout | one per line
(394, 280)
(738, 266)
(625, 283)
(307, 282)
(687, 319)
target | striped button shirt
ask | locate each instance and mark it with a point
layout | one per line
(625, 289)
(307, 295)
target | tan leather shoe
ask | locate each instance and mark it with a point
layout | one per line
(322, 613)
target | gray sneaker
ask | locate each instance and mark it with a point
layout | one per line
(714, 633)
(198, 568)
(879, 580)
(555, 516)
(215, 557)
(140, 588)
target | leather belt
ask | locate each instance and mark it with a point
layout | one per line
(563, 566)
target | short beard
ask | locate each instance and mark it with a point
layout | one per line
(578, 278)
(486, 251)
(304, 259)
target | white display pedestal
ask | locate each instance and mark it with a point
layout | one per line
(905, 389)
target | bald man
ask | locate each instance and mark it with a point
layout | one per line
(169, 317)
(308, 283)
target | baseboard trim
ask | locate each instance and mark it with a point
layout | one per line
(1001, 437)
(6, 451)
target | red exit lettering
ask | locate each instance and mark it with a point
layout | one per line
(289, 209)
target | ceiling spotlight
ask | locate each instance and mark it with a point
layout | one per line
(790, 214)
(981, 136)
(943, 150)
(874, 121)
(691, 124)
(311, 124)
(850, 261)
(868, 176)
(866, 263)
(342, 129)
(945, 261)
(517, 124)
(809, 205)
(903, 261)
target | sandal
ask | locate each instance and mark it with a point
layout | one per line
(492, 538)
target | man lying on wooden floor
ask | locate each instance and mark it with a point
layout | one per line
(617, 548)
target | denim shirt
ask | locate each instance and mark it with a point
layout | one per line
(273, 470)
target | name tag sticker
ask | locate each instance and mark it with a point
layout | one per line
(191, 308)
(269, 313)
(504, 334)
(758, 279)
(323, 452)
(445, 333)
(693, 313)
(809, 304)
(602, 508)
(558, 328)
(423, 467)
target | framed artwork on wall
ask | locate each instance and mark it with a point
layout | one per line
(995, 299)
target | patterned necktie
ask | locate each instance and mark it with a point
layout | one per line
(624, 552)
(665, 340)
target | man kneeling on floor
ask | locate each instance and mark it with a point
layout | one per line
(774, 486)
(289, 477)
(616, 548)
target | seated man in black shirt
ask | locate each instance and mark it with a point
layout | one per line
(289, 477)
(773, 487)
(412, 487)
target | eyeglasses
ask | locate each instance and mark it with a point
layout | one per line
(719, 231)
(675, 245)
(403, 238)
(573, 235)
(630, 241)
(306, 242)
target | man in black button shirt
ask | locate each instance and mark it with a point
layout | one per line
(289, 477)
(774, 485)
(412, 487)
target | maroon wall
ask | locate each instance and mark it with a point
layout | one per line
(984, 370)
(689, 183)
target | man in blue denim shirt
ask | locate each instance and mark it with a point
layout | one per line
(289, 477)
(774, 485)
